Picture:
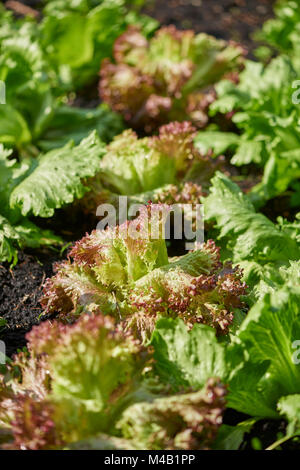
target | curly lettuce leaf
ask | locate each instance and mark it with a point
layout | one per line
(195, 287)
(265, 111)
(70, 385)
(254, 241)
(80, 385)
(132, 165)
(16, 231)
(57, 177)
(22, 234)
(38, 187)
(153, 82)
(282, 32)
(188, 421)
(186, 358)
(125, 272)
(166, 168)
(106, 263)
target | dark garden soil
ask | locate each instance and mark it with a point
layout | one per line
(20, 291)
(227, 19)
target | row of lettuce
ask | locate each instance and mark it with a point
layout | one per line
(148, 351)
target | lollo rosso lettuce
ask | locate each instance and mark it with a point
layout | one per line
(125, 272)
(152, 82)
(92, 381)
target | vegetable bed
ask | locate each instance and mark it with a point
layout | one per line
(115, 332)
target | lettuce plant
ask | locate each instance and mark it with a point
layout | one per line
(92, 381)
(267, 252)
(77, 36)
(42, 62)
(71, 38)
(267, 116)
(282, 32)
(273, 354)
(38, 186)
(166, 168)
(156, 81)
(33, 116)
(125, 272)
(260, 365)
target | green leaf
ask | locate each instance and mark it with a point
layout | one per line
(282, 32)
(77, 37)
(71, 123)
(247, 152)
(250, 235)
(269, 331)
(14, 130)
(8, 237)
(266, 339)
(249, 389)
(280, 171)
(25, 233)
(219, 142)
(57, 178)
(25, 71)
(267, 117)
(186, 358)
(289, 406)
(67, 45)
(231, 437)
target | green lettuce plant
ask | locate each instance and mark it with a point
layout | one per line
(77, 36)
(282, 32)
(266, 251)
(43, 63)
(38, 186)
(33, 116)
(260, 366)
(267, 117)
